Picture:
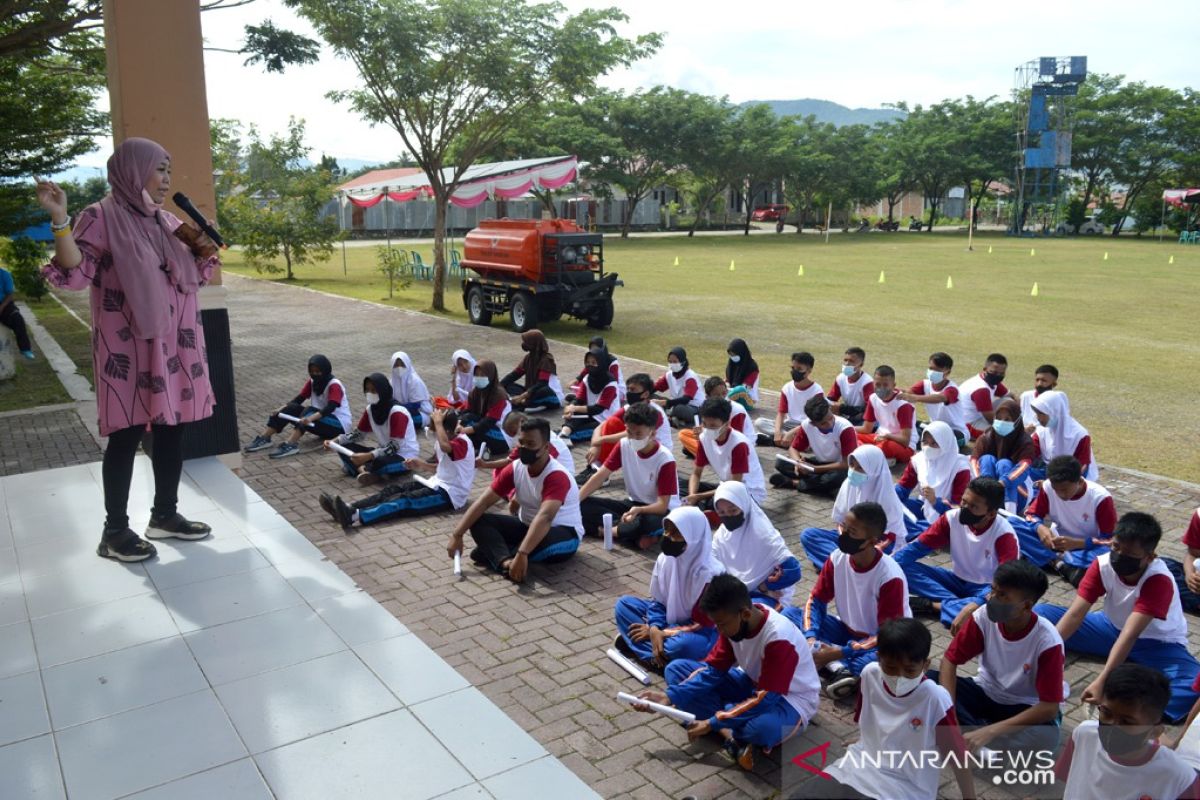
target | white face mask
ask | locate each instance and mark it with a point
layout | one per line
(481, 381)
(934, 376)
(735, 359)
(900, 685)
(399, 371)
(371, 398)
(638, 444)
(709, 435)
(676, 368)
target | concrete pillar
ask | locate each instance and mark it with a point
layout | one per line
(156, 89)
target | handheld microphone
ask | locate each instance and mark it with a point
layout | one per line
(185, 205)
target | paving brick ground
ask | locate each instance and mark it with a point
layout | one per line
(44, 440)
(535, 650)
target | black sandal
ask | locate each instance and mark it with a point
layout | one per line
(125, 545)
(176, 527)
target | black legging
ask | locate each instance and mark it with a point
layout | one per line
(593, 510)
(11, 317)
(118, 472)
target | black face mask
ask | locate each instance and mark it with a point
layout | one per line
(798, 375)
(634, 397)
(1116, 741)
(992, 380)
(968, 517)
(1124, 565)
(673, 548)
(743, 631)
(848, 544)
(597, 371)
(732, 523)
(1037, 390)
(528, 455)
(1000, 612)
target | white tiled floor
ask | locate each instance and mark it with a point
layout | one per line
(242, 667)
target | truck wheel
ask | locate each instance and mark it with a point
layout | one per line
(477, 308)
(603, 316)
(523, 313)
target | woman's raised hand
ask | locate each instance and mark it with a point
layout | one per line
(53, 199)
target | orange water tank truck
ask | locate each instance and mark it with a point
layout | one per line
(536, 270)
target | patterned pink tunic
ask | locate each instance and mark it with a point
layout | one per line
(138, 381)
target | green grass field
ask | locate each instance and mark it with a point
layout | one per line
(1123, 331)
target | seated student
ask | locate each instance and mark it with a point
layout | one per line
(449, 488)
(599, 347)
(757, 686)
(682, 386)
(10, 315)
(1058, 434)
(1142, 620)
(394, 432)
(541, 389)
(322, 406)
(728, 452)
(980, 394)
(851, 387)
(487, 406)
(979, 540)
(792, 397)
(868, 588)
(606, 436)
(1187, 573)
(890, 422)
(650, 481)
(1187, 741)
(739, 420)
(831, 440)
(750, 547)
(409, 390)
(938, 473)
(741, 375)
(1045, 379)
(1007, 453)
(900, 711)
(1118, 754)
(498, 457)
(940, 395)
(670, 624)
(547, 526)
(1013, 704)
(868, 480)
(462, 374)
(1069, 523)
(595, 399)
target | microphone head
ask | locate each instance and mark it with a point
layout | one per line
(181, 199)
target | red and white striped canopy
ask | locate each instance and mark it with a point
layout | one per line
(503, 180)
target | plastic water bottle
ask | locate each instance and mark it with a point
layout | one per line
(608, 532)
(1196, 564)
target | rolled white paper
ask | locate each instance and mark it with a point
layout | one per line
(458, 562)
(580, 416)
(428, 483)
(696, 421)
(288, 417)
(482, 450)
(627, 665)
(680, 716)
(608, 532)
(337, 448)
(803, 466)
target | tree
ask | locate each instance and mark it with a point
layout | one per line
(808, 165)
(893, 176)
(272, 205)
(927, 146)
(983, 145)
(1149, 151)
(1098, 129)
(758, 158)
(454, 75)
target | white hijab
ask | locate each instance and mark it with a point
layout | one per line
(463, 382)
(937, 467)
(877, 489)
(753, 551)
(677, 581)
(408, 388)
(1067, 433)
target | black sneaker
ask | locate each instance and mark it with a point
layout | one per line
(584, 474)
(1071, 574)
(762, 440)
(256, 444)
(780, 481)
(326, 502)
(842, 683)
(124, 545)
(738, 753)
(343, 513)
(921, 606)
(623, 647)
(176, 526)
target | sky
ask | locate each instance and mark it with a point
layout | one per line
(864, 54)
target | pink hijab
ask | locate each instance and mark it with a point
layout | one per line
(142, 241)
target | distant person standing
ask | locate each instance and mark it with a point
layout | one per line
(145, 268)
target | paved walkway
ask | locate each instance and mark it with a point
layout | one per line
(244, 666)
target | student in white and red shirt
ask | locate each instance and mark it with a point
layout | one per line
(451, 483)
(682, 387)
(547, 527)
(1118, 755)
(322, 407)
(940, 475)
(1069, 523)
(869, 589)
(890, 422)
(1007, 453)
(830, 439)
(940, 396)
(1045, 379)
(487, 407)
(1187, 574)
(1142, 619)
(651, 483)
(1013, 704)
(901, 711)
(757, 686)
(542, 388)
(639, 388)
(792, 398)
(497, 458)
(596, 397)
(739, 419)
(980, 393)
(598, 347)
(730, 455)
(979, 540)
(741, 375)
(851, 387)
(393, 429)
(1059, 434)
